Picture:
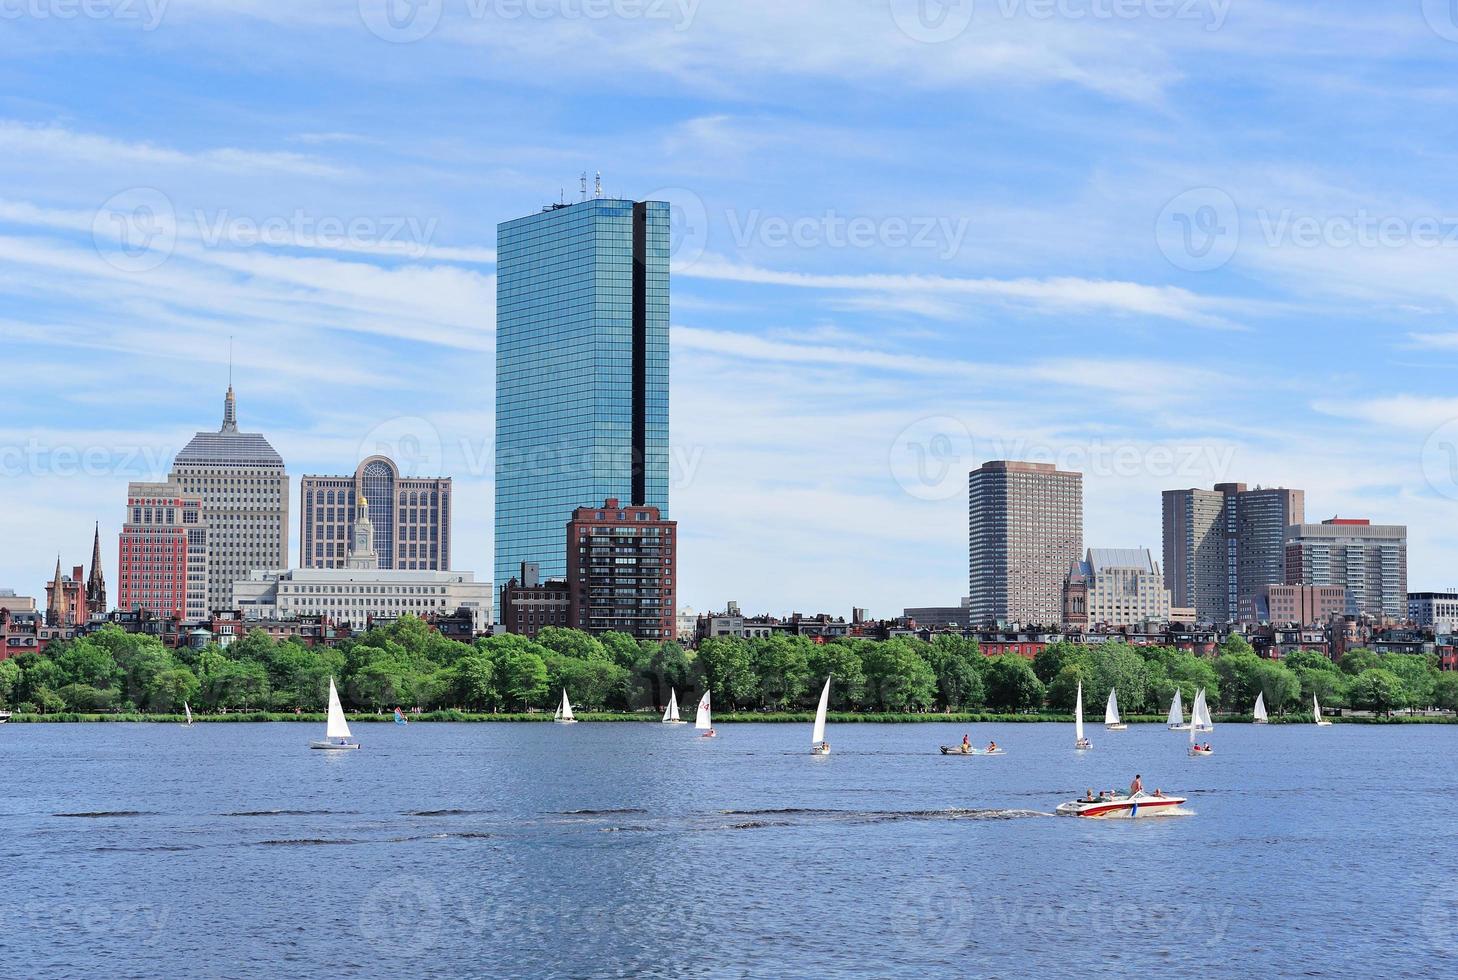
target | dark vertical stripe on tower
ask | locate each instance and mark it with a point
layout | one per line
(640, 352)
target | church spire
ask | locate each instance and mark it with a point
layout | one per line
(96, 581)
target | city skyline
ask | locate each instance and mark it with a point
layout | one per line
(848, 293)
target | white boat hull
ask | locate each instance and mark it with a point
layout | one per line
(334, 746)
(1179, 728)
(958, 750)
(564, 721)
(674, 723)
(1116, 727)
(1124, 808)
(820, 750)
(1082, 745)
(1196, 753)
(4, 717)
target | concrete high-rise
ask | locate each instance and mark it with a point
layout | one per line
(1368, 560)
(1024, 531)
(581, 371)
(411, 517)
(244, 490)
(1222, 546)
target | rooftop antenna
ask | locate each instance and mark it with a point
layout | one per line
(584, 185)
(597, 187)
(230, 360)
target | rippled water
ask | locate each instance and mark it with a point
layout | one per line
(641, 850)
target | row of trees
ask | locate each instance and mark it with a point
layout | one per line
(410, 665)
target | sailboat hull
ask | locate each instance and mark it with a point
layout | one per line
(673, 722)
(1197, 753)
(1117, 726)
(820, 750)
(565, 721)
(334, 746)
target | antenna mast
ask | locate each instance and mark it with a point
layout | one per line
(597, 186)
(584, 185)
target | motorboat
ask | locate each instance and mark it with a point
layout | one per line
(969, 750)
(1111, 713)
(336, 731)
(1080, 743)
(4, 717)
(818, 744)
(1140, 805)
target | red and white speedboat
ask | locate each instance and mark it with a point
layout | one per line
(1138, 806)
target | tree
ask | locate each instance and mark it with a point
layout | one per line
(170, 689)
(1376, 689)
(782, 670)
(727, 669)
(840, 661)
(1012, 685)
(474, 682)
(9, 680)
(523, 678)
(1048, 662)
(1236, 645)
(1445, 690)
(957, 666)
(1355, 661)
(897, 678)
(572, 643)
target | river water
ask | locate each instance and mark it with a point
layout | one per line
(623, 849)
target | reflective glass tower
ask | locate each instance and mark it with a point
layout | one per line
(581, 371)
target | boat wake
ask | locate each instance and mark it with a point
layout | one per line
(288, 813)
(98, 814)
(444, 813)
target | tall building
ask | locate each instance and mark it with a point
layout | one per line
(96, 582)
(620, 577)
(411, 517)
(1368, 560)
(163, 562)
(1437, 611)
(1115, 587)
(245, 502)
(1025, 528)
(581, 371)
(1222, 546)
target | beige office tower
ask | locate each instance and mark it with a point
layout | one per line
(1222, 547)
(1025, 528)
(245, 502)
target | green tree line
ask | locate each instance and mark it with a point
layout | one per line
(407, 664)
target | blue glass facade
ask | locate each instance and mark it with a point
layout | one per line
(581, 371)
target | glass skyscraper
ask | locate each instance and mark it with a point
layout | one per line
(581, 371)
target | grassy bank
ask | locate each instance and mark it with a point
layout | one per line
(785, 717)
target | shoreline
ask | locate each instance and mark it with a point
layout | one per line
(727, 718)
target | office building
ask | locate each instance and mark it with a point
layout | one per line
(581, 371)
(621, 571)
(411, 517)
(1368, 560)
(1437, 611)
(1222, 546)
(1301, 605)
(1025, 528)
(361, 591)
(163, 561)
(245, 502)
(1115, 587)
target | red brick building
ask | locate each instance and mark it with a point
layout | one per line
(620, 570)
(163, 529)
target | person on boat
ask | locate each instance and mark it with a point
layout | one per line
(1137, 786)
(991, 746)
(1088, 796)
(711, 733)
(966, 743)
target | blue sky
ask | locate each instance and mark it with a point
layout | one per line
(1166, 242)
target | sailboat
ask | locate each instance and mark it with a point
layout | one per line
(1079, 742)
(1111, 712)
(670, 714)
(564, 711)
(818, 744)
(1200, 722)
(336, 732)
(1260, 710)
(1316, 710)
(400, 717)
(1176, 719)
(187, 711)
(701, 718)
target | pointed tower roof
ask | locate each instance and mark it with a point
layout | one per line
(230, 412)
(95, 555)
(228, 446)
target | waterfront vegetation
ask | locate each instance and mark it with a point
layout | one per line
(114, 675)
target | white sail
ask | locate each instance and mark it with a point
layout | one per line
(701, 720)
(818, 734)
(1078, 714)
(1200, 720)
(1176, 710)
(1316, 710)
(1111, 710)
(670, 713)
(337, 727)
(1260, 707)
(187, 711)
(564, 710)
